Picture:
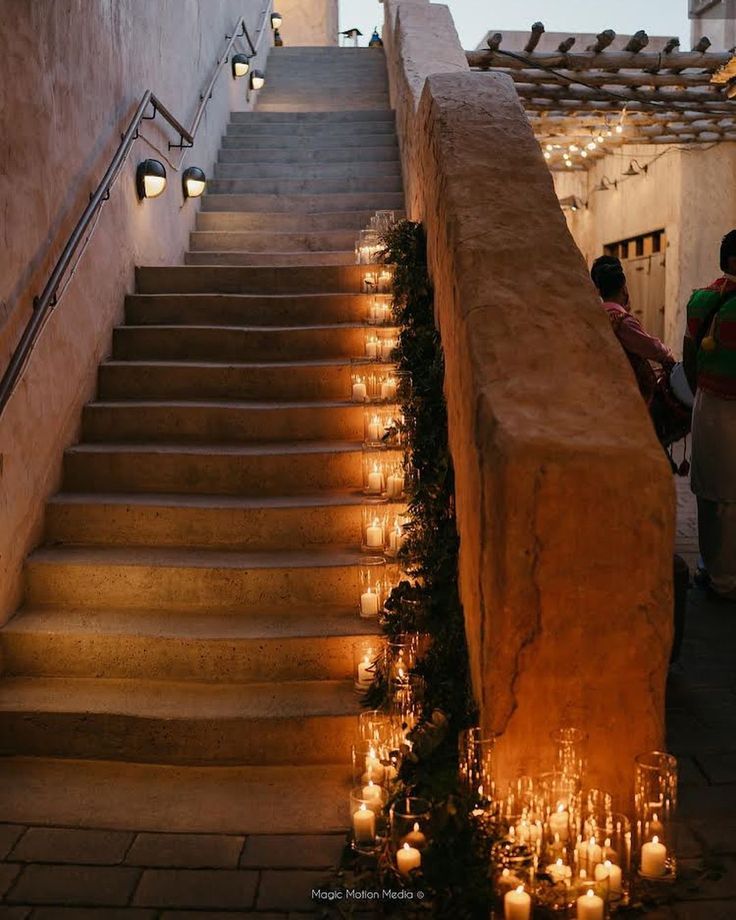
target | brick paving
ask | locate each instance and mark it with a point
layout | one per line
(71, 874)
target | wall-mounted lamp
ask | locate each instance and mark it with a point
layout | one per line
(240, 64)
(636, 169)
(193, 181)
(276, 20)
(257, 79)
(572, 203)
(606, 185)
(150, 179)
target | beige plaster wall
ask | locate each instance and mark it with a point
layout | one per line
(565, 503)
(308, 22)
(687, 191)
(72, 75)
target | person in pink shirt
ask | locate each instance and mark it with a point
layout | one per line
(640, 347)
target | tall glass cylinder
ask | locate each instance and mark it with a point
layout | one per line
(371, 572)
(475, 765)
(366, 653)
(374, 526)
(410, 820)
(655, 804)
(571, 751)
(379, 310)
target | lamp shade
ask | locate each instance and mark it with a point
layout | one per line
(276, 20)
(257, 79)
(150, 179)
(240, 65)
(193, 182)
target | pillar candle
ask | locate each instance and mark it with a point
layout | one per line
(372, 794)
(559, 872)
(395, 485)
(375, 479)
(408, 858)
(415, 838)
(654, 859)
(359, 392)
(613, 873)
(374, 429)
(364, 824)
(388, 388)
(371, 348)
(558, 822)
(396, 539)
(374, 534)
(590, 906)
(369, 604)
(365, 672)
(517, 905)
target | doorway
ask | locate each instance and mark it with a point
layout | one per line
(644, 260)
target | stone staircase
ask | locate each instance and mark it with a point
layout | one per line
(188, 620)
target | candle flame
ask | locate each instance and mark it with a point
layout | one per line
(608, 864)
(560, 808)
(416, 827)
(607, 842)
(406, 846)
(506, 873)
(592, 842)
(654, 816)
(370, 782)
(655, 839)
(590, 893)
(363, 807)
(559, 863)
(520, 889)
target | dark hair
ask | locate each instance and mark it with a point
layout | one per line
(610, 279)
(728, 249)
(603, 262)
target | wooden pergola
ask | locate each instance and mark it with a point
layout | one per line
(585, 102)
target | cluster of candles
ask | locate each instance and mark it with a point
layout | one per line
(379, 311)
(377, 281)
(369, 242)
(565, 851)
(380, 347)
(383, 528)
(373, 384)
(383, 472)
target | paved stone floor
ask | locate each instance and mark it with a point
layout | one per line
(67, 874)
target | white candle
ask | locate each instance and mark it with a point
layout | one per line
(395, 485)
(372, 795)
(559, 872)
(415, 838)
(517, 905)
(613, 873)
(364, 824)
(359, 392)
(374, 429)
(395, 539)
(387, 348)
(654, 859)
(365, 672)
(374, 534)
(408, 858)
(375, 479)
(589, 854)
(558, 822)
(371, 348)
(369, 604)
(590, 906)
(388, 388)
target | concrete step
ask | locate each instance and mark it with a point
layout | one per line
(277, 259)
(191, 579)
(305, 645)
(338, 98)
(294, 381)
(272, 241)
(221, 422)
(323, 118)
(296, 468)
(262, 146)
(282, 126)
(306, 204)
(237, 343)
(308, 154)
(178, 722)
(369, 104)
(348, 171)
(163, 797)
(247, 309)
(283, 222)
(297, 186)
(182, 279)
(215, 521)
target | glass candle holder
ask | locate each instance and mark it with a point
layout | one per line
(396, 533)
(383, 221)
(381, 426)
(367, 246)
(655, 804)
(384, 280)
(387, 343)
(375, 526)
(475, 764)
(379, 311)
(617, 857)
(395, 478)
(553, 892)
(385, 384)
(370, 760)
(368, 825)
(376, 725)
(591, 897)
(375, 461)
(371, 572)
(372, 346)
(360, 382)
(596, 811)
(410, 820)
(571, 750)
(366, 653)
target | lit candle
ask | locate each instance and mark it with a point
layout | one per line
(507, 881)
(415, 838)
(559, 872)
(589, 854)
(371, 347)
(613, 873)
(387, 348)
(369, 603)
(375, 479)
(364, 824)
(372, 795)
(365, 671)
(558, 822)
(374, 534)
(408, 858)
(654, 859)
(384, 281)
(395, 538)
(517, 905)
(360, 391)
(388, 388)
(395, 485)
(590, 906)
(374, 429)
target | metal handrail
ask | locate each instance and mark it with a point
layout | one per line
(45, 302)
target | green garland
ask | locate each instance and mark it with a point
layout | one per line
(455, 873)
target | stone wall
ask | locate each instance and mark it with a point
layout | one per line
(565, 502)
(72, 76)
(308, 22)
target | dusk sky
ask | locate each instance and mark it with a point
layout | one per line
(474, 18)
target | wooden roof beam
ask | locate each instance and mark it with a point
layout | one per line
(637, 41)
(602, 41)
(641, 78)
(589, 60)
(697, 98)
(537, 33)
